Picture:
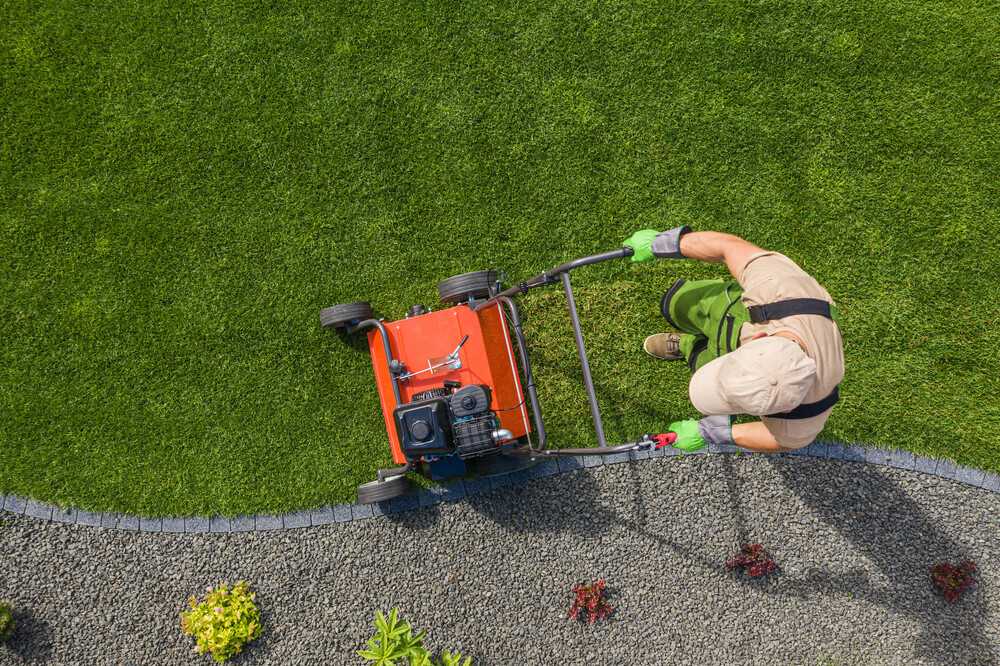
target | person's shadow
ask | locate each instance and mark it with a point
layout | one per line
(898, 538)
(890, 529)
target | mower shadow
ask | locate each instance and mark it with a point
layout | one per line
(575, 506)
(530, 508)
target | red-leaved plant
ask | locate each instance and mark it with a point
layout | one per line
(752, 560)
(952, 581)
(590, 601)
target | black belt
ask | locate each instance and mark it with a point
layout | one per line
(811, 409)
(793, 306)
(797, 306)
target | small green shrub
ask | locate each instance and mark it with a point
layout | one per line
(224, 621)
(395, 645)
(7, 623)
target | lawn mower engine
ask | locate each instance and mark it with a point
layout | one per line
(443, 427)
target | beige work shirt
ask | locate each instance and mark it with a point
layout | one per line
(769, 277)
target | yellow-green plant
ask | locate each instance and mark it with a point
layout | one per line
(394, 644)
(224, 621)
(6, 622)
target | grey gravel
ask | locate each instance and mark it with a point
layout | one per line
(491, 575)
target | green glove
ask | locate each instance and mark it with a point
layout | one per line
(642, 243)
(693, 435)
(689, 437)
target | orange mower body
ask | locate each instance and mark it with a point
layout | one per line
(422, 341)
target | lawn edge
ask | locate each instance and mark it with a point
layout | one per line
(458, 490)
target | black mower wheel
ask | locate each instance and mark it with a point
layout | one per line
(459, 288)
(380, 491)
(344, 314)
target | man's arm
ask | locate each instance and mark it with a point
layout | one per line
(756, 437)
(714, 247)
(694, 435)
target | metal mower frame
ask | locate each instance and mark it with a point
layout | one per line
(471, 289)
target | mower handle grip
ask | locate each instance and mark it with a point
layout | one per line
(621, 253)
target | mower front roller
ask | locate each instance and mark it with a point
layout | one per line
(380, 491)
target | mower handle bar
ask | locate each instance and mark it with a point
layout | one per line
(560, 274)
(553, 275)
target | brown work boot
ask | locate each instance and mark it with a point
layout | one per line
(664, 346)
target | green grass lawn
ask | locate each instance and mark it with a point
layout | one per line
(184, 187)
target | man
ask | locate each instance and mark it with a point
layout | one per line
(766, 344)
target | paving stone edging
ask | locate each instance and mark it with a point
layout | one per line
(458, 490)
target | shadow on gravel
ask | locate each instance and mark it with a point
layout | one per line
(885, 524)
(32, 639)
(423, 519)
(530, 508)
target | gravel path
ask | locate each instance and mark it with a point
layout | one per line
(491, 575)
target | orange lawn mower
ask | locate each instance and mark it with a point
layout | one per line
(452, 395)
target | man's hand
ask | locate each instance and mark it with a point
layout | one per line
(688, 437)
(642, 243)
(693, 435)
(649, 243)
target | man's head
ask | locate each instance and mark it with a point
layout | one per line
(767, 375)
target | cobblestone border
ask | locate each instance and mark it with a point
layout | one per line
(460, 489)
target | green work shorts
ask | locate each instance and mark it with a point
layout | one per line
(709, 314)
